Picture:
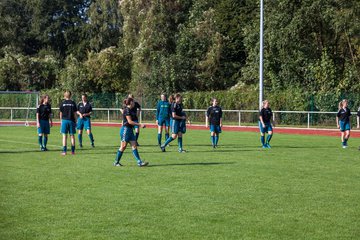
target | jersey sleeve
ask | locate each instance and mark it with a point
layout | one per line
(208, 112)
(50, 110)
(61, 108)
(358, 113)
(126, 112)
(38, 109)
(339, 113)
(90, 108)
(220, 113)
(75, 108)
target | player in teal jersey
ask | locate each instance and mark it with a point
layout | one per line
(163, 113)
(44, 121)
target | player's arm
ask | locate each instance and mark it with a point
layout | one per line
(37, 119)
(262, 121)
(138, 111)
(221, 118)
(88, 113)
(130, 121)
(50, 118)
(337, 122)
(78, 112)
(157, 112)
(178, 117)
(272, 121)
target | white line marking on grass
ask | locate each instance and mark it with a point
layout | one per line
(28, 143)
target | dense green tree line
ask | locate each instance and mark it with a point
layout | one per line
(148, 47)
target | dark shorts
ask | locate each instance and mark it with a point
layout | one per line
(127, 134)
(178, 126)
(67, 126)
(44, 127)
(344, 126)
(83, 123)
(164, 121)
(215, 128)
(267, 128)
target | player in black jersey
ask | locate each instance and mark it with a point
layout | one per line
(84, 111)
(127, 133)
(44, 121)
(214, 116)
(343, 122)
(68, 121)
(136, 110)
(265, 120)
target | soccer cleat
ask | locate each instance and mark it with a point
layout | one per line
(268, 145)
(214, 146)
(117, 164)
(63, 153)
(92, 145)
(264, 146)
(42, 149)
(344, 146)
(80, 145)
(182, 151)
(162, 148)
(72, 153)
(45, 149)
(143, 164)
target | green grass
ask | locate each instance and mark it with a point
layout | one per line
(305, 187)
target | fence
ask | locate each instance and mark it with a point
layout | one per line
(305, 119)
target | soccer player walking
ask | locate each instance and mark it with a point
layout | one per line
(84, 111)
(136, 113)
(127, 133)
(266, 124)
(163, 113)
(343, 122)
(68, 121)
(178, 124)
(44, 121)
(214, 117)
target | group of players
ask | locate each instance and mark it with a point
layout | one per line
(169, 115)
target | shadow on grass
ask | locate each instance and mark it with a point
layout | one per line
(191, 164)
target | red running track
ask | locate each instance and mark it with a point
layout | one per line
(284, 130)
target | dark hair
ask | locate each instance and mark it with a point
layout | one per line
(177, 95)
(171, 98)
(84, 94)
(128, 101)
(42, 99)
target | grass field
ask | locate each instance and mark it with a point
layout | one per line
(305, 187)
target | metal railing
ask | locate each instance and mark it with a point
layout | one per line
(306, 119)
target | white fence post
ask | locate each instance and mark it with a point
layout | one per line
(239, 118)
(108, 111)
(11, 115)
(308, 120)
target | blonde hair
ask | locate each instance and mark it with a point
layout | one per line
(341, 103)
(264, 102)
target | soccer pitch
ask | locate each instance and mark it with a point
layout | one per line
(305, 187)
